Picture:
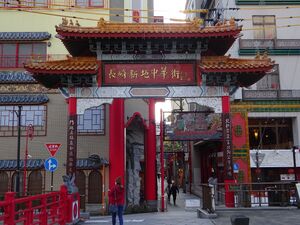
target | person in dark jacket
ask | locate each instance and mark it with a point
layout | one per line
(174, 191)
(168, 190)
(116, 196)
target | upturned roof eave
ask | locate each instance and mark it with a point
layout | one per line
(65, 36)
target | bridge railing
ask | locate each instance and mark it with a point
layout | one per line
(252, 194)
(43, 209)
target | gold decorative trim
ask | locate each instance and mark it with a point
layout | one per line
(25, 88)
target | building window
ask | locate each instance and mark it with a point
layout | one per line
(36, 3)
(14, 55)
(29, 3)
(270, 133)
(89, 3)
(34, 115)
(264, 27)
(92, 121)
(270, 81)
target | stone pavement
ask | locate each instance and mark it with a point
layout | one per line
(180, 215)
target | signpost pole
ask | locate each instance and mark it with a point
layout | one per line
(51, 180)
(51, 163)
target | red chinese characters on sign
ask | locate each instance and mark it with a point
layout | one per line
(149, 74)
(52, 148)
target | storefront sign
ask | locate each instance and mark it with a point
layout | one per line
(149, 74)
(227, 145)
(72, 145)
(193, 126)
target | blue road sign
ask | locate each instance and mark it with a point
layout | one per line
(235, 168)
(51, 164)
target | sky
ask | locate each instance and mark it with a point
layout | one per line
(168, 9)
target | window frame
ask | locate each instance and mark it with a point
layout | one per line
(264, 25)
(89, 3)
(17, 58)
(27, 4)
(102, 121)
(10, 128)
(261, 125)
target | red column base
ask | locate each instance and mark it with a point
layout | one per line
(229, 194)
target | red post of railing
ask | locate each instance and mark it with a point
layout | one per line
(63, 202)
(43, 215)
(29, 213)
(9, 210)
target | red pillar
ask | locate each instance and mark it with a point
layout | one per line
(150, 171)
(72, 138)
(116, 141)
(227, 146)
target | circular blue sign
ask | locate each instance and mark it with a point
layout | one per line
(51, 164)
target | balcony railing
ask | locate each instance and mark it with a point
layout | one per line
(271, 94)
(12, 61)
(273, 46)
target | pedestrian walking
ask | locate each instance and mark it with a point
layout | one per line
(168, 190)
(174, 191)
(116, 201)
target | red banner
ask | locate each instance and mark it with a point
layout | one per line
(149, 74)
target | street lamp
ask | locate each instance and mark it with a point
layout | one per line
(29, 134)
(18, 150)
(294, 161)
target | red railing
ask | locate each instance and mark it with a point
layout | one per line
(43, 209)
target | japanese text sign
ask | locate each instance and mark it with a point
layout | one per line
(53, 148)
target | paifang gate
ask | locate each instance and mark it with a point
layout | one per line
(118, 63)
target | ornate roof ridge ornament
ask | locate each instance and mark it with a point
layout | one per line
(101, 23)
(66, 22)
(263, 56)
(197, 22)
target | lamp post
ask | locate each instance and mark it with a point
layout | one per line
(258, 174)
(29, 134)
(18, 150)
(294, 161)
(162, 168)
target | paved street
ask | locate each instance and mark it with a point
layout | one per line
(179, 215)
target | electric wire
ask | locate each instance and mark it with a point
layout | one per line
(76, 10)
(69, 10)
